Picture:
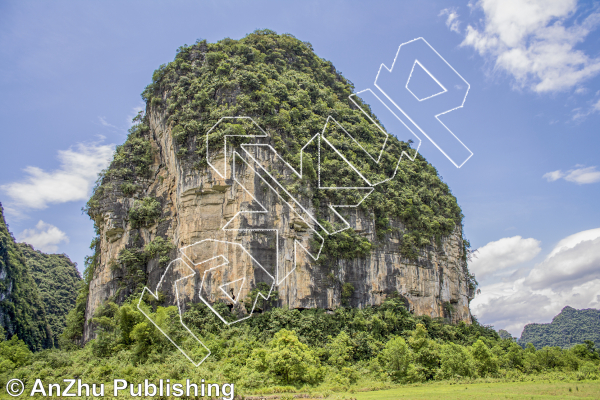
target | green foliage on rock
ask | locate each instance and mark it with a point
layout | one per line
(347, 245)
(131, 162)
(568, 328)
(58, 282)
(159, 248)
(22, 311)
(144, 212)
(290, 92)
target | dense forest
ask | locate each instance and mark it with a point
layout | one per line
(37, 291)
(568, 328)
(281, 350)
(22, 311)
(58, 282)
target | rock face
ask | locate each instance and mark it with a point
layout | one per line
(199, 205)
(196, 204)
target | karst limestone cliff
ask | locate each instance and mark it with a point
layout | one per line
(162, 198)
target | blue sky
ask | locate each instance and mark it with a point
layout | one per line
(71, 74)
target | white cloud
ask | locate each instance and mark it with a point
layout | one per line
(568, 267)
(571, 241)
(512, 305)
(570, 275)
(73, 181)
(581, 175)
(529, 40)
(501, 254)
(580, 113)
(553, 176)
(105, 123)
(44, 237)
(452, 22)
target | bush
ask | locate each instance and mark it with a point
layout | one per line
(588, 370)
(145, 212)
(128, 188)
(159, 247)
(426, 355)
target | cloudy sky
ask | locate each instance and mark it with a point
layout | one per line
(71, 74)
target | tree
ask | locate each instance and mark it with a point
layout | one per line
(340, 350)
(13, 353)
(426, 355)
(485, 362)
(291, 360)
(456, 361)
(395, 358)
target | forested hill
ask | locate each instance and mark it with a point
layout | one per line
(22, 311)
(58, 283)
(567, 329)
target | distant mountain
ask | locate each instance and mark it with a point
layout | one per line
(58, 282)
(22, 310)
(568, 328)
(504, 334)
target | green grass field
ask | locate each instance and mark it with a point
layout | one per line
(502, 390)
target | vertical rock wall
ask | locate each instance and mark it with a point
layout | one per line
(196, 204)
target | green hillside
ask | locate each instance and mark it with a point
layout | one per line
(567, 329)
(58, 283)
(22, 310)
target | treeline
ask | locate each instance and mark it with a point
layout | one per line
(290, 350)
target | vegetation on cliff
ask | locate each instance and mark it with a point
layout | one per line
(290, 92)
(22, 312)
(568, 328)
(280, 82)
(58, 282)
